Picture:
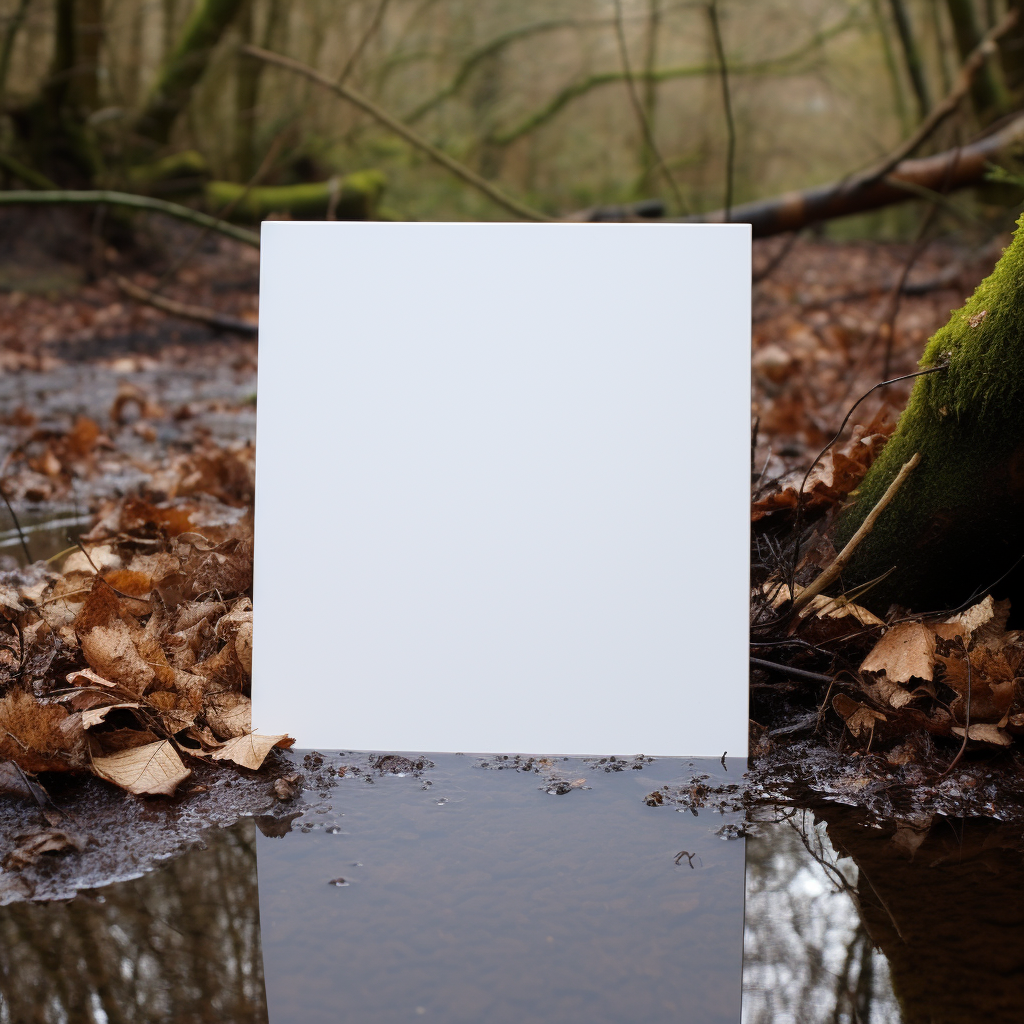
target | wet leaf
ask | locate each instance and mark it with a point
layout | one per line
(858, 717)
(33, 845)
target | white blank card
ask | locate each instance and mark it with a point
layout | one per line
(502, 487)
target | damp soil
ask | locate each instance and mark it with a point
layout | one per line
(109, 835)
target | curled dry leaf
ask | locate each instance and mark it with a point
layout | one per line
(152, 768)
(858, 717)
(94, 716)
(250, 750)
(822, 606)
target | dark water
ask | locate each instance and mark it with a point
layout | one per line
(179, 944)
(513, 892)
(498, 894)
(851, 921)
(47, 533)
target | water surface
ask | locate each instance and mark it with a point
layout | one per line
(505, 890)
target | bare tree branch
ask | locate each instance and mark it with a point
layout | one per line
(61, 197)
(415, 140)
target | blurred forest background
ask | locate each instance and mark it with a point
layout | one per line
(562, 105)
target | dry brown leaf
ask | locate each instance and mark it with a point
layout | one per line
(986, 732)
(858, 717)
(39, 737)
(102, 556)
(228, 714)
(86, 677)
(250, 750)
(905, 652)
(93, 716)
(111, 651)
(243, 646)
(153, 768)
(987, 616)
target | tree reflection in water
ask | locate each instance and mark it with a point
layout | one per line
(180, 944)
(849, 921)
(807, 958)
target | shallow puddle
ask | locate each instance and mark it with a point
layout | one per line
(46, 532)
(535, 891)
(506, 890)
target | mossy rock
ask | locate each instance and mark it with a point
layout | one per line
(356, 197)
(956, 525)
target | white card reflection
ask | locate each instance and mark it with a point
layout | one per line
(486, 889)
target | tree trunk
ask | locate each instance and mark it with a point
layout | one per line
(912, 58)
(955, 526)
(987, 93)
(184, 67)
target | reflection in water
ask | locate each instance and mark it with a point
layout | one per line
(179, 944)
(551, 894)
(807, 958)
(938, 901)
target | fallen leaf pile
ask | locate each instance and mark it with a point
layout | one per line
(136, 657)
(919, 673)
(834, 476)
(45, 463)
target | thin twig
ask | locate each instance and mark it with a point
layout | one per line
(415, 140)
(730, 126)
(641, 115)
(798, 673)
(17, 523)
(227, 209)
(835, 437)
(375, 22)
(967, 713)
(975, 61)
(832, 573)
(185, 310)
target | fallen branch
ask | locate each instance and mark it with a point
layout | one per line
(944, 172)
(68, 197)
(415, 140)
(183, 309)
(833, 572)
(975, 61)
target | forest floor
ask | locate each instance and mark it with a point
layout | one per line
(125, 661)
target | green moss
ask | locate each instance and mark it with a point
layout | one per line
(956, 524)
(357, 198)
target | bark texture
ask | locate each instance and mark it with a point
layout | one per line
(955, 526)
(184, 67)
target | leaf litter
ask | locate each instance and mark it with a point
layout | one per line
(854, 706)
